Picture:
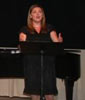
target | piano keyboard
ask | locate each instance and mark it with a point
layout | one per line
(11, 50)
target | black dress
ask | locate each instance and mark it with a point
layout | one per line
(32, 67)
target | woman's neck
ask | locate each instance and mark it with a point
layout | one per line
(37, 24)
(37, 27)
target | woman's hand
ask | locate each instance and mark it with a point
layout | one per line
(22, 36)
(60, 38)
(55, 37)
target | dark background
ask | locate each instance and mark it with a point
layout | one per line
(67, 16)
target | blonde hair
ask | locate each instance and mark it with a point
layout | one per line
(29, 21)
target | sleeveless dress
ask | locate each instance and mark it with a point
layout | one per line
(32, 67)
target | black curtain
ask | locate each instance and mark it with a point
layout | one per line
(67, 16)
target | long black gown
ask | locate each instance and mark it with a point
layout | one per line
(32, 67)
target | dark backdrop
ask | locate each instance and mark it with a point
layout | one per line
(67, 16)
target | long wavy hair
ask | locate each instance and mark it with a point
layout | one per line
(29, 20)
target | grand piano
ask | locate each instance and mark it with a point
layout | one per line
(11, 65)
(69, 70)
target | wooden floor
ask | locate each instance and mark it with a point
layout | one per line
(14, 98)
(17, 98)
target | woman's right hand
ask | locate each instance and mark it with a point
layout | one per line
(60, 38)
(22, 36)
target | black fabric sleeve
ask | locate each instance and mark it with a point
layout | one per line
(50, 28)
(24, 30)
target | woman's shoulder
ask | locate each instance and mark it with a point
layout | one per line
(50, 27)
(23, 29)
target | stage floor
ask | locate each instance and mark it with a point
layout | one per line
(14, 98)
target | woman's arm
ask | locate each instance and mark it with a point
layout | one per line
(55, 37)
(22, 36)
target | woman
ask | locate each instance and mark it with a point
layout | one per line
(38, 31)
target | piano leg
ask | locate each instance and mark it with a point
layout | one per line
(69, 83)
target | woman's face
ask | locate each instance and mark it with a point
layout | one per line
(36, 14)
